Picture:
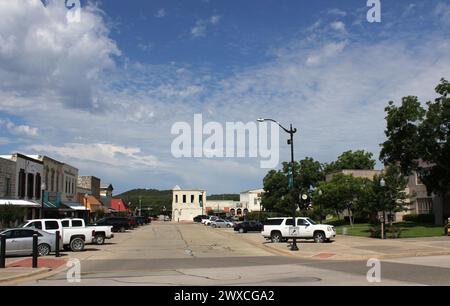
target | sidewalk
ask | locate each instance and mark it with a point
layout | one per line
(356, 248)
(21, 269)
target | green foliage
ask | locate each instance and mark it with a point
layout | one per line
(155, 199)
(425, 219)
(263, 216)
(10, 213)
(279, 197)
(421, 134)
(392, 232)
(225, 197)
(358, 160)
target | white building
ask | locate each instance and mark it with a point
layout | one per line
(251, 200)
(187, 204)
(232, 208)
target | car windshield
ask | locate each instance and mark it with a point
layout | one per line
(311, 221)
(22, 225)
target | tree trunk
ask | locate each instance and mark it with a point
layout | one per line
(350, 216)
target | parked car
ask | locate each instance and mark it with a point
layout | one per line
(73, 238)
(19, 241)
(279, 229)
(199, 218)
(210, 220)
(220, 223)
(248, 226)
(118, 224)
(101, 232)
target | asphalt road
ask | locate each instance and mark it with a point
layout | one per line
(191, 255)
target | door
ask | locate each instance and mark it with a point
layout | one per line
(25, 240)
(305, 228)
(12, 245)
(286, 229)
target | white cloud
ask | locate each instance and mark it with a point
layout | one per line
(41, 53)
(338, 26)
(161, 13)
(109, 154)
(199, 30)
(215, 19)
(328, 51)
(22, 130)
(337, 12)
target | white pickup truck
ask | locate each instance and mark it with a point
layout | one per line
(73, 238)
(281, 229)
(100, 233)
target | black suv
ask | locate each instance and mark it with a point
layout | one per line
(118, 224)
(248, 226)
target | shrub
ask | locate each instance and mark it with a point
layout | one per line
(392, 232)
(428, 219)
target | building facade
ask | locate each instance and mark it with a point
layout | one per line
(251, 199)
(7, 178)
(187, 204)
(232, 208)
(91, 184)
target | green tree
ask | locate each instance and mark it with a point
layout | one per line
(418, 139)
(9, 214)
(391, 197)
(360, 160)
(343, 193)
(279, 197)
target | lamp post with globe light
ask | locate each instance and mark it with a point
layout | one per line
(291, 132)
(43, 187)
(383, 217)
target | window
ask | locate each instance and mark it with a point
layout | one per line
(23, 234)
(22, 179)
(66, 189)
(425, 206)
(77, 223)
(200, 198)
(37, 188)
(418, 179)
(289, 222)
(184, 198)
(192, 198)
(30, 186)
(8, 234)
(302, 222)
(8, 187)
(65, 223)
(51, 225)
(176, 198)
(35, 224)
(273, 222)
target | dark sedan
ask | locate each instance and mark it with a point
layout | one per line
(248, 226)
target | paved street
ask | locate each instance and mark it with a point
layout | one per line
(168, 254)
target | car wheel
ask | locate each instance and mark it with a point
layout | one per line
(229, 226)
(276, 237)
(241, 230)
(99, 239)
(77, 245)
(319, 237)
(43, 249)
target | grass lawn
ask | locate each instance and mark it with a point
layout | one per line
(409, 230)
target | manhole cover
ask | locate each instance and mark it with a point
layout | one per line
(297, 280)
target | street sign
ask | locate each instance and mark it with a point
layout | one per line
(294, 231)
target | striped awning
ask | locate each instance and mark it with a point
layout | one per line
(51, 205)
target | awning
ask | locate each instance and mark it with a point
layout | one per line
(75, 206)
(48, 204)
(20, 203)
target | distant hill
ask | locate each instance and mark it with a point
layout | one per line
(156, 199)
(229, 197)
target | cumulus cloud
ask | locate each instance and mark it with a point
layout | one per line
(42, 53)
(161, 13)
(338, 26)
(21, 130)
(101, 153)
(201, 26)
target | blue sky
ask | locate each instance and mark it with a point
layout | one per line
(102, 94)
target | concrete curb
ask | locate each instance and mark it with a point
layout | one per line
(40, 273)
(19, 277)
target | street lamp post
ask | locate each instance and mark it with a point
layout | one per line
(43, 187)
(86, 214)
(140, 206)
(291, 132)
(383, 218)
(320, 205)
